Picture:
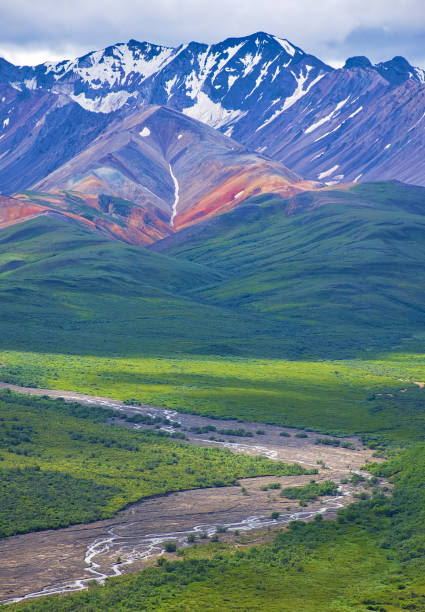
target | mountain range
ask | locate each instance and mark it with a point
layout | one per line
(259, 89)
(138, 141)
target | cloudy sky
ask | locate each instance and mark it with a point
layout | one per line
(33, 31)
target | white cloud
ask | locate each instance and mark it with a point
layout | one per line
(22, 56)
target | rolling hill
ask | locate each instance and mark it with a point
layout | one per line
(83, 293)
(341, 268)
(329, 273)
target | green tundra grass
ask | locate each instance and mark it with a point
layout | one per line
(340, 397)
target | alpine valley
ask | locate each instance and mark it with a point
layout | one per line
(211, 275)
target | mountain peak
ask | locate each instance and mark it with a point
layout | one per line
(398, 70)
(264, 37)
(358, 61)
(140, 44)
(399, 62)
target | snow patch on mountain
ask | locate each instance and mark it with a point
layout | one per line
(31, 83)
(212, 113)
(420, 74)
(323, 175)
(176, 196)
(249, 62)
(169, 85)
(263, 73)
(290, 50)
(103, 104)
(326, 134)
(231, 80)
(332, 114)
(208, 66)
(115, 68)
(299, 92)
(355, 112)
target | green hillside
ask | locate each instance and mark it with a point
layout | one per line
(306, 312)
(340, 275)
(341, 269)
(85, 294)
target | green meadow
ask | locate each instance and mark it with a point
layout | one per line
(339, 397)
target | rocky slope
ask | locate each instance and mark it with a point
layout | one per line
(136, 176)
(355, 125)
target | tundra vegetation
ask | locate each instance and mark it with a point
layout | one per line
(313, 320)
(60, 464)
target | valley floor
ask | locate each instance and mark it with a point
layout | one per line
(58, 561)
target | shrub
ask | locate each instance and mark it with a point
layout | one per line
(328, 442)
(272, 485)
(311, 491)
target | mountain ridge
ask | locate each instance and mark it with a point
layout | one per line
(257, 89)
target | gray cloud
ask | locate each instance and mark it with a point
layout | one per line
(332, 29)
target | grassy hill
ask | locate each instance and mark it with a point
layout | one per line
(80, 292)
(327, 274)
(342, 269)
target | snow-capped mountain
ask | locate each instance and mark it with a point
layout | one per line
(233, 85)
(361, 122)
(40, 130)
